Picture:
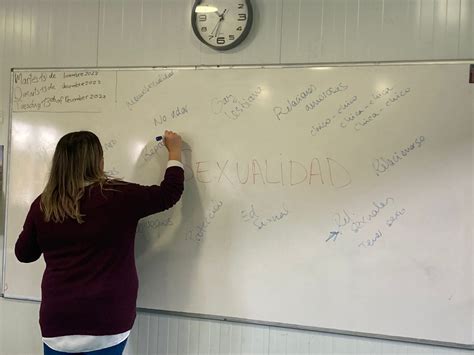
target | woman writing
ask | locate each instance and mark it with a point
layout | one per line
(84, 224)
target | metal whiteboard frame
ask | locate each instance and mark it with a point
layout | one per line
(6, 169)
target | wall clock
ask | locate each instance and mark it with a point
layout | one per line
(222, 24)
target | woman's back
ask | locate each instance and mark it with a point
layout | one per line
(90, 267)
(84, 224)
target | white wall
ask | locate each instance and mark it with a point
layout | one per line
(78, 33)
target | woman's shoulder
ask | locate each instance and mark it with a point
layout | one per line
(35, 206)
(37, 201)
(119, 183)
(111, 191)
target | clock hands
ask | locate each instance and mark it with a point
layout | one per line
(215, 27)
(221, 18)
(215, 30)
(221, 15)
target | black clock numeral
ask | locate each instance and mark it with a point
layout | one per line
(241, 6)
(231, 37)
(242, 17)
(202, 17)
(203, 29)
(239, 28)
(220, 40)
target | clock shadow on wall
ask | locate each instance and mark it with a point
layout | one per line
(223, 25)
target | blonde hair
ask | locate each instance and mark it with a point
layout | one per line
(77, 161)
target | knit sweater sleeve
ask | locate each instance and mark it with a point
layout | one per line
(146, 200)
(27, 248)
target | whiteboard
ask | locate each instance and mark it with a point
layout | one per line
(332, 198)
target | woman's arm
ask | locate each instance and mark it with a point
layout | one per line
(27, 248)
(147, 200)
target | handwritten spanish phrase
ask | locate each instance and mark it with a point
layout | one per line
(314, 171)
(359, 114)
(260, 221)
(383, 164)
(354, 224)
(149, 88)
(233, 106)
(311, 98)
(57, 91)
(198, 232)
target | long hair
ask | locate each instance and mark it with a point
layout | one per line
(77, 161)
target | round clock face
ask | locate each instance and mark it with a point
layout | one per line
(222, 24)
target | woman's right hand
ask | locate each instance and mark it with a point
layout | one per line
(173, 143)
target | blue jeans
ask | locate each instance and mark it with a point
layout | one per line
(113, 350)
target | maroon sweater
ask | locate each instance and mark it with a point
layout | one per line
(90, 283)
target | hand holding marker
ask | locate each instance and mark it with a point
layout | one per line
(172, 142)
